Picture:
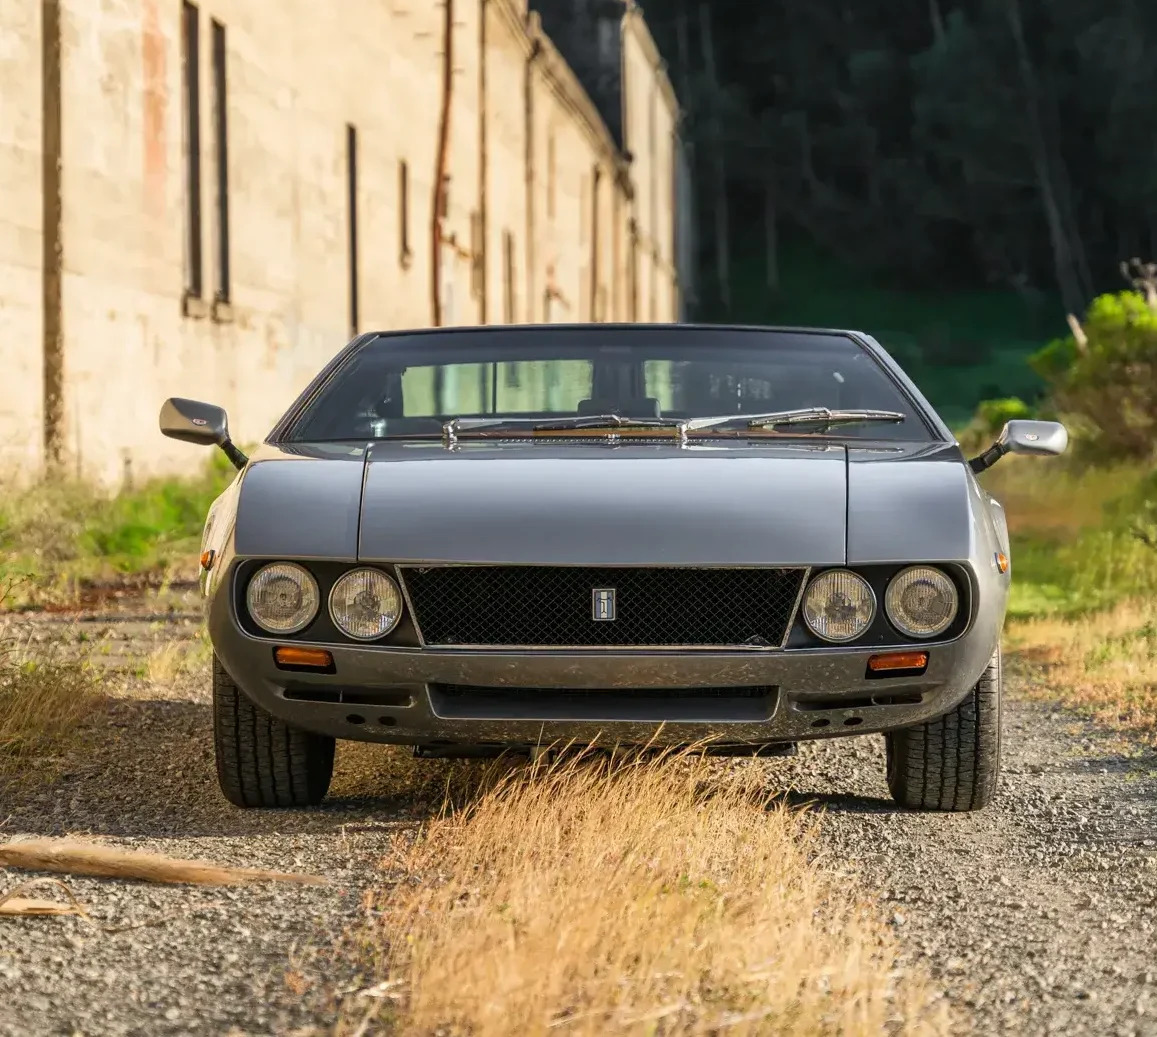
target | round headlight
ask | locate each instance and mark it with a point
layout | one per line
(839, 605)
(282, 598)
(365, 604)
(921, 601)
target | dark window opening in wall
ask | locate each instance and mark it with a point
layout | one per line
(351, 147)
(584, 201)
(508, 277)
(596, 273)
(551, 177)
(444, 198)
(633, 273)
(653, 148)
(586, 302)
(404, 253)
(191, 62)
(477, 256)
(221, 132)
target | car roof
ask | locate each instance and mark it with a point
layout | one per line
(617, 326)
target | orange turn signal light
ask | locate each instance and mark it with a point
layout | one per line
(294, 655)
(898, 661)
(1002, 562)
(207, 559)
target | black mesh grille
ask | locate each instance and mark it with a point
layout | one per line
(548, 605)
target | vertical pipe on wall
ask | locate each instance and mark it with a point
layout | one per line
(483, 173)
(441, 164)
(596, 195)
(528, 111)
(53, 213)
(351, 158)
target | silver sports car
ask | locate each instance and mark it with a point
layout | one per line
(497, 539)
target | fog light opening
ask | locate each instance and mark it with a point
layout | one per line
(820, 723)
(387, 721)
(355, 718)
(298, 657)
(853, 721)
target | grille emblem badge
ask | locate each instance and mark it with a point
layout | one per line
(603, 606)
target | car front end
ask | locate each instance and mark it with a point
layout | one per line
(517, 695)
(442, 626)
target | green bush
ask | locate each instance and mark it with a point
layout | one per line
(1136, 512)
(991, 415)
(1108, 382)
(989, 419)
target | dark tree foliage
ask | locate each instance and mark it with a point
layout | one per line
(946, 143)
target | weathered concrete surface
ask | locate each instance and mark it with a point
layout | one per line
(21, 234)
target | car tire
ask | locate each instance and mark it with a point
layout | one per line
(952, 762)
(261, 760)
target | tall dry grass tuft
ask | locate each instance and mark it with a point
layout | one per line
(1104, 663)
(43, 698)
(662, 896)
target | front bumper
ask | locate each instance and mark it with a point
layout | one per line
(423, 696)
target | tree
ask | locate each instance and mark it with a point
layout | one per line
(955, 143)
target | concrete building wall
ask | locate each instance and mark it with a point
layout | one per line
(571, 149)
(508, 81)
(650, 125)
(306, 85)
(21, 236)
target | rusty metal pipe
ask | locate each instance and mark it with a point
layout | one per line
(441, 163)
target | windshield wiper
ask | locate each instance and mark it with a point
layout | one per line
(452, 428)
(822, 417)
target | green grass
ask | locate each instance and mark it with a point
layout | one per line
(1097, 569)
(959, 347)
(67, 534)
(1075, 548)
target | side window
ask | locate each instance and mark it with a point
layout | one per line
(660, 381)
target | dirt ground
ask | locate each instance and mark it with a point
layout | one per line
(1036, 916)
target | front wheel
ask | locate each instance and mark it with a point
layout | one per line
(261, 760)
(952, 762)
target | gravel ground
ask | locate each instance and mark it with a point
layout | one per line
(1037, 916)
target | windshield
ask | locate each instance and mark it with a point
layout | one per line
(411, 385)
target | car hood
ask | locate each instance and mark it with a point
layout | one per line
(602, 504)
(711, 503)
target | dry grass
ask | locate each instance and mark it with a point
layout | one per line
(1048, 497)
(44, 696)
(13, 905)
(642, 897)
(1104, 663)
(167, 668)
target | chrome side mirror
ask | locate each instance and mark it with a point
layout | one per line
(1022, 436)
